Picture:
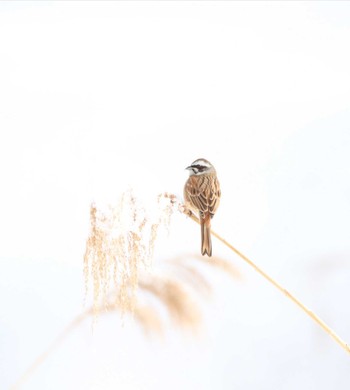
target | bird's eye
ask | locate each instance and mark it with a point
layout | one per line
(200, 168)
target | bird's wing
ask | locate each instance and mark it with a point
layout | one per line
(203, 192)
(214, 195)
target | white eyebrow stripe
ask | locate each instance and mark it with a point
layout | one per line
(201, 162)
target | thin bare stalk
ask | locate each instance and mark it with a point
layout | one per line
(58, 340)
(305, 309)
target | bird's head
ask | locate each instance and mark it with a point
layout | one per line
(200, 166)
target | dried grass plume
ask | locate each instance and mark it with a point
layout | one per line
(120, 245)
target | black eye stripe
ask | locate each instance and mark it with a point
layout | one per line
(200, 168)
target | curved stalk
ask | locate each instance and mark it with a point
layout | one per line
(290, 296)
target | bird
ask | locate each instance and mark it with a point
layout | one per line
(202, 195)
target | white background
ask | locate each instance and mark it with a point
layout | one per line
(98, 96)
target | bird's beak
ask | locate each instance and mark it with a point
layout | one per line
(189, 167)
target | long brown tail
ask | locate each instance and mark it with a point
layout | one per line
(206, 238)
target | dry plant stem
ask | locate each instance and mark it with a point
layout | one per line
(40, 359)
(311, 314)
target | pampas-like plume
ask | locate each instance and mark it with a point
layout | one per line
(120, 244)
(118, 260)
